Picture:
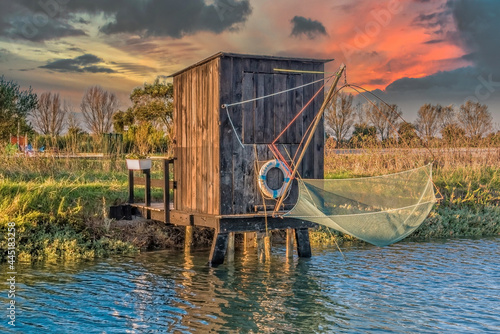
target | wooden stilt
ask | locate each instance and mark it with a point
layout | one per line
(267, 246)
(260, 247)
(303, 244)
(230, 247)
(188, 241)
(289, 243)
(219, 247)
(249, 240)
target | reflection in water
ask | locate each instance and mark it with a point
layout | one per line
(429, 287)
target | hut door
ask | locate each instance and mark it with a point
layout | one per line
(263, 120)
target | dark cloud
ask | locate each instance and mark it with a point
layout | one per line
(459, 80)
(45, 20)
(178, 18)
(477, 25)
(82, 21)
(85, 63)
(434, 41)
(309, 27)
(436, 22)
(97, 69)
(32, 20)
(75, 49)
(22, 28)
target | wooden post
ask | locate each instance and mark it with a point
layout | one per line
(230, 247)
(188, 240)
(147, 192)
(261, 255)
(131, 186)
(303, 244)
(249, 240)
(166, 190)
(267, 246)
(219, 247)
(289, 243)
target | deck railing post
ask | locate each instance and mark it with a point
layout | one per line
(147, 192)
(131, 186)
(166, 189)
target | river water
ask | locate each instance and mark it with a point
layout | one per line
(450, 286)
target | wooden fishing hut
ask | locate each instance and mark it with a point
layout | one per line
(220, 143)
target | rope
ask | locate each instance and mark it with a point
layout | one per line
(256, 164)
(273, 147)
(234, 129)
(225, 106)
(298, 114)
(310, 125)
(399, 115)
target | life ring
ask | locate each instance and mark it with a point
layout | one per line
(262, 179)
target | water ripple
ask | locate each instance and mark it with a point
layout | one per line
(432, 287)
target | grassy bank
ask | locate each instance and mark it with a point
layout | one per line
(59, 205)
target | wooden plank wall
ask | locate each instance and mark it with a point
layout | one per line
(196, 115)
(259, 122)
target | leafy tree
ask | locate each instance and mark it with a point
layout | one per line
(151, 114)
(407, 134)
(340, 116)
(121, 119)
(493, 139)
(154, 103)
(475, 119)
(15, 106)
(98, 107)
(453, 135)
(49, 115)
(363, 134)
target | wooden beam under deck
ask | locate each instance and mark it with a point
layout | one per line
(224, 224)
(252, 223)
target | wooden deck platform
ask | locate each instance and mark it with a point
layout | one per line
(223, 223)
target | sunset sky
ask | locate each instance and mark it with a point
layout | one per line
(408, 51)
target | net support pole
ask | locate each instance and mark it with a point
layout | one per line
(327, 100)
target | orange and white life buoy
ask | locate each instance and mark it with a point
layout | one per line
(262, 179)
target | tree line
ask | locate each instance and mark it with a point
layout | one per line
(147, 126)
(356, 125)
(144, 127)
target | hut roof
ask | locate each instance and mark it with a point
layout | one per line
(238, 55)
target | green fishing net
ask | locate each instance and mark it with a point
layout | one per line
(380, 210)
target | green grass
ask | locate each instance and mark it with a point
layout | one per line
(60, 206)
